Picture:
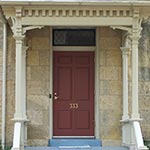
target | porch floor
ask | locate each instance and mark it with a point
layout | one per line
(89, 148)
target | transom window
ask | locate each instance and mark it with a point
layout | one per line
(74, 37)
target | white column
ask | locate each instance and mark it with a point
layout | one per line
(135, 105)
(19, 101)
(24, 49)
(125, 53)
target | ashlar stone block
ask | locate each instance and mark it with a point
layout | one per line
(40, 43)
(38, 132)
(44, 57)
(40, 73)
(33, 58)
(113, 58)
(37, 102)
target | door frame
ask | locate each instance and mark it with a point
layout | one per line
(96, 88)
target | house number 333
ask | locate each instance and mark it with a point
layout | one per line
(74, 105)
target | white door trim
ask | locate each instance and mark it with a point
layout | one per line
(96, 101)
(74, 48)
(51, 87)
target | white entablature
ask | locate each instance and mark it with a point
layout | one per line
(70, 15)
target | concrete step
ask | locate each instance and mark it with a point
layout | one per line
(75, 148)
(75, 142)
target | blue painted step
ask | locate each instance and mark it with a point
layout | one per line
(75, 142)
(91, 148)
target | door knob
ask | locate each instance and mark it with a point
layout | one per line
(55, 96)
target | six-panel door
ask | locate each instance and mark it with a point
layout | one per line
(73, 90)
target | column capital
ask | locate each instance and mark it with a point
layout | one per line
(125, 50)
(19, 37)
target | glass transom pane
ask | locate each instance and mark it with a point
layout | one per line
(74, 37)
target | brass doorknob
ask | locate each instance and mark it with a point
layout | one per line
(55, 96)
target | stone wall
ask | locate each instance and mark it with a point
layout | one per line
(110, 86)
(1, 63)
(10, 87)
(38, 76)
(144, 79)
(38, 86)
(38, 81)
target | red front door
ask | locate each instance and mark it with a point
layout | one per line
(73, 103)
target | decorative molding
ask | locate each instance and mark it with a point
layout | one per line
(136, 27)
(125, 50)
(27, 28)
(75, 12)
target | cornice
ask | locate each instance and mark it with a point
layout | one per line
(76, 12)
(97, 3)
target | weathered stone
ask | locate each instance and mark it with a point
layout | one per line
(145, 116)
(145, 130)
(111, 116)
(1, 57)
(10, 87)
(144, 74)
(102, 57)
(110, 73)
(46, 117)
(10, 103)
(38, 87)
(108, 101)
(0, 87)
(144, 88)
(113, 58)
(110, 132)
(144, 60)
(11, 50)
(34, 87)
(44, 32)
(40, 73)
(33, 57)
(38, 132)
(1, 72)
(40, 43)
(11, 72)
(110, 43)
(35, 117)
(104, 87)
(28, 73)
(37, 102)
(44, 58)
(112, 143)
(38, 142)
(115, 87)
(108, 32)
(9, 135)
(144, 102)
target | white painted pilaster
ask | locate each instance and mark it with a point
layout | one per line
(136, 30)
(125, 53)
(135, 105)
